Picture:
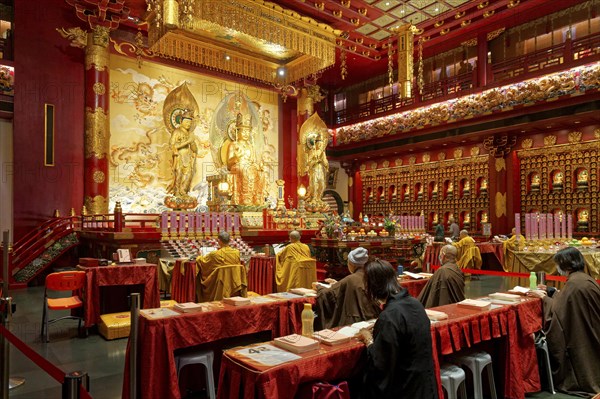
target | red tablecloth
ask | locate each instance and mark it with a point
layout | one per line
(510, 325)
(97, 277)
(159, 338)
(414, 287)
(261, 274)
(432, 252)
(183, 282)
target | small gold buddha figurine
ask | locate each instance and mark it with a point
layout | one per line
(467, 220)
(557, 181)
(467, 187)
(406, 193)
(484, 217)
(535, 182)
(420, 192)
(583, 220)
(434, 191)
(450, 190)
(583, 179)
(435, 219)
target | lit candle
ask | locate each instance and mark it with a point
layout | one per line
(198, 224)
(191, 224)
(236, 223)
(164, 222)
(213, 225)
(518, 224)
(569, 226)
(206, 222)
(542, 227)
(563, 227)
(173, 222)
(528, 226)
(556, 226)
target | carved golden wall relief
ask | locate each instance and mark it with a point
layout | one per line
(574, 137)
(99, 88)
(500, 204)
(96, 133)
(99, 177)
(550, 140)
(500, 164)
(527, 143)
(96, 52)
(97, 205)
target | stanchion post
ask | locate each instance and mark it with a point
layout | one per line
(73, 383)
(133, 344)
(541, 278)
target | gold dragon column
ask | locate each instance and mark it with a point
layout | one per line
(102, 16)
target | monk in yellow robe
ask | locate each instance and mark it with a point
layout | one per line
(295, 267)
(469, 256)
(225, 255)
(511, 245)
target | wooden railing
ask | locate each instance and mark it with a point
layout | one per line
(568, 54)
(129, 222)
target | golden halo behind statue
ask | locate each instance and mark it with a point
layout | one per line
(179, 101)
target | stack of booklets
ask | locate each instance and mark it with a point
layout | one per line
(505, 297)
(475, 304)
(518, 290)
(188, 307)
(296, 343)
(435, 315)
(330, 337)
(237, 301)
(303, 291)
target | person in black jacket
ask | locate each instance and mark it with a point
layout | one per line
(399, 351)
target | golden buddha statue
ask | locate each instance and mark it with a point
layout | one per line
(435, 219)
(583, 217)
(406, 193)
(583, 179)
(558, 181)
(434, 191)
(484, 217)
(318, 168)
(420, 192)
(535, 182)
(467, 220)
(184, 150)
(467, 187)
(248, 183)
(450, 190)
(483, 188)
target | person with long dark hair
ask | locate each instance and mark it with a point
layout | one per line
(400, 362)
(572, 317)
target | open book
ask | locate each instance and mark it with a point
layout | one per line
(475, 304)
(330, 337)
(296, 343)
(518, 290)
(505, 297)
(277, 248)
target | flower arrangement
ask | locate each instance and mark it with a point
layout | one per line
(389, 224)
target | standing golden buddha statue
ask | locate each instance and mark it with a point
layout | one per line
(248, 174)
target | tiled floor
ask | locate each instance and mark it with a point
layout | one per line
(104, 360)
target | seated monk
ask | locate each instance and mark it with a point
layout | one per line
(468, 256)
(448, 282)
(225, 255)
(509, 246)
(572, 317)
(346, 302)
(295, 268)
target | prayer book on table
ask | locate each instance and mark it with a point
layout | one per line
(237, 301)
(518, 290)
(188, 307)
(303, 291)
(414, 275)
(435, 315)
(285, 295)
(296, 343)
(330, 337)
(474, 304)
(505, 297)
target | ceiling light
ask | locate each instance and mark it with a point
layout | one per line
(387, 3)
(576, 122)
(437, 9)
(227, 57)
(281, 71)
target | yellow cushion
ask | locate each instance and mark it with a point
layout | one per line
(115, 325)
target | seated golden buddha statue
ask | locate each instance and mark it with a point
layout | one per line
(434, 191)
(467, 221)
(435, 219)
(557, 181)
(583, 220)
(406, 193)
(420, 192)
(484, 217)
(466, 188)
(450, 190)
(535, 183)
(583, 179)
(484, 186)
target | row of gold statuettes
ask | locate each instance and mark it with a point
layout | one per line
(391, 196)
(558, 181)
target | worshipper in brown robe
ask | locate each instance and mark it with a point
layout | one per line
(447, 285)
(399, 350)
(572, 320)
(346, 301)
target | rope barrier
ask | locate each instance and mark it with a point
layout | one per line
(508, 274)
(38, 359)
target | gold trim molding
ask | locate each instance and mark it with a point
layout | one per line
(97, 205)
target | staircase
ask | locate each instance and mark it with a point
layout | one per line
(41, 247)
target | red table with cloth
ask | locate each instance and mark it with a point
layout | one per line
(261, 274)
(241, 378)
(432, 252)
(414, 287)
(101, 276)
(159, 338)
(183, 282)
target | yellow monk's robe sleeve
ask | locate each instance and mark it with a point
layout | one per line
(510, 246)
(288, 274)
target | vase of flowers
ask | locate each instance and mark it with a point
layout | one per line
(389, 225)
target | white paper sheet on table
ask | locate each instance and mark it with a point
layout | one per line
(268, 355)
(348, 331)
